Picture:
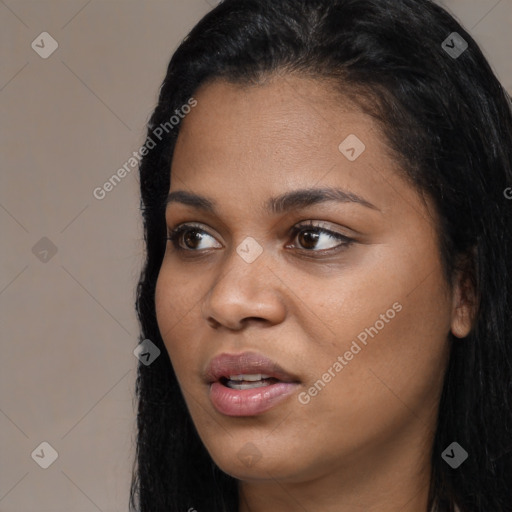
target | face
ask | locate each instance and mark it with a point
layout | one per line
(340, 288)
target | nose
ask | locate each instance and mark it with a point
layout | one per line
(244, 293)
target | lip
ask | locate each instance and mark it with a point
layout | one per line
(225, 365)
(247, 402)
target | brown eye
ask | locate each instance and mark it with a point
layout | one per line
(189, 238)
(192, 238)
(314, 238)
(308, 239)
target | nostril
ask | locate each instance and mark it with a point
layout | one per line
(212, 322)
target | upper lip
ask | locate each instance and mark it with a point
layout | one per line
(224, 365)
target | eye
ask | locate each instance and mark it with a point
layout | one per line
(189, 237)
(311, 237)
(315, 237)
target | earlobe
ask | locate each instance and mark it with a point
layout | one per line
(461, 322)
(463, 306)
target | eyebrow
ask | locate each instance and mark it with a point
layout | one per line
(294, 200)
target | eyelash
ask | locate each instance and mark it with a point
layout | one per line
(174, 235)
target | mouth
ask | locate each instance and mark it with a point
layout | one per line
(247, 384)
(248, 381)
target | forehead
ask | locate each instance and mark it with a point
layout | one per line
(248, 143)
(285, 120)
(283, 109)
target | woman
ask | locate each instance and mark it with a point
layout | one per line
(329, 237)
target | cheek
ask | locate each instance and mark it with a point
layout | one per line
(391, 334)
(177, 303)
(393, 303)
(177, 295)
(172, 301)
(166, 307)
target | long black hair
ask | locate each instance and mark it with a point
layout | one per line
(449, 121)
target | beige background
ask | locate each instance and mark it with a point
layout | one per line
(67, 320)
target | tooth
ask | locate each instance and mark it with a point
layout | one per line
(252, 377)
(235, 385)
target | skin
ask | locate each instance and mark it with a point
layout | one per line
(363, 443)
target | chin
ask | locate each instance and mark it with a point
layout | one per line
(249, 463)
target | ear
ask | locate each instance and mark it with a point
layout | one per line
(464, 301)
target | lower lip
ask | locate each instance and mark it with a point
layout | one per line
(249, 402)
